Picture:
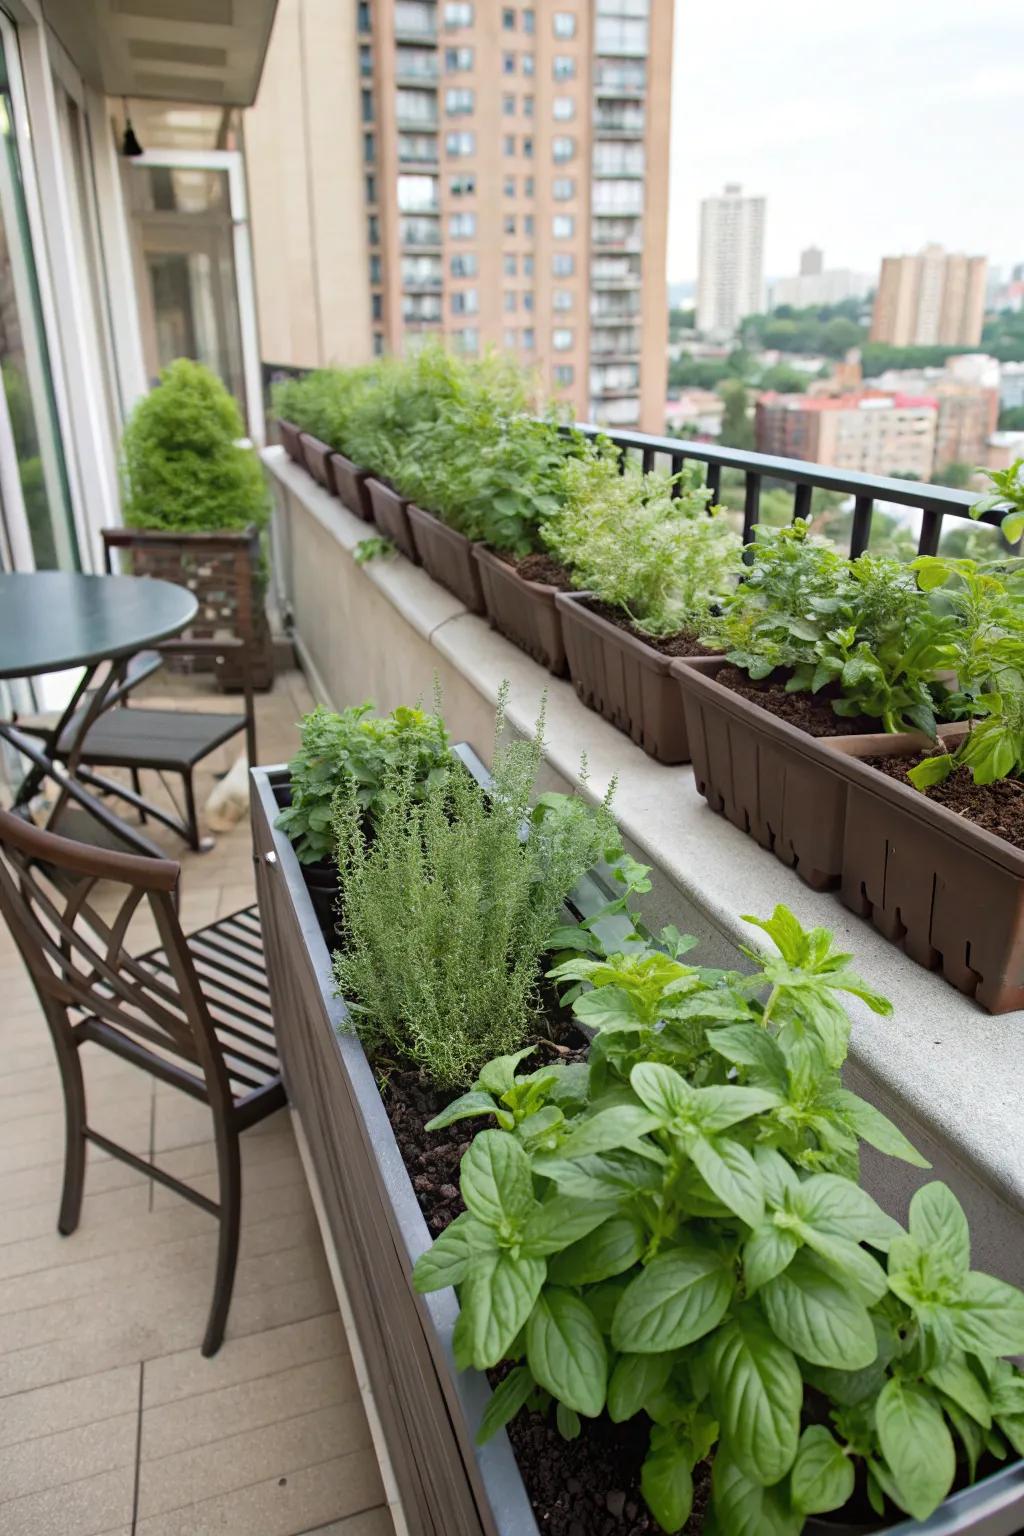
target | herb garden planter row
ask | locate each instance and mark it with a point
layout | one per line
(950, 893)
(448, 557)
(626, 681)
(350, 485)
(317, 458)
(525, 612)
(429, 1413)
(391, 514)
(291, 438)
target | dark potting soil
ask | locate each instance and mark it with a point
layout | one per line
(685, 643)
(589, 1486)
(538, 567)
(810, 712)
(999, 807)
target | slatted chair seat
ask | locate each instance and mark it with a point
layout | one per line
(167, 740)
(193, 1011)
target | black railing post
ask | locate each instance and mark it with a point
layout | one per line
(751, 505)
(931, 528)
(860, 535)
(715, 482)
(802, 500)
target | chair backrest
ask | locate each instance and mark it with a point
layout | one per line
(219, 568)
(52, 890)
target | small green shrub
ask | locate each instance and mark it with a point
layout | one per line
(321, 403)
(658, 557)
(361, 750)
(446, 914)
(182, 466)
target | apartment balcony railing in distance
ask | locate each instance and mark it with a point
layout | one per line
(934, 502)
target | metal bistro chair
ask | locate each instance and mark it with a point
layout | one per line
(194, 1012)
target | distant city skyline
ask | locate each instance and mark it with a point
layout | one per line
(868, 129)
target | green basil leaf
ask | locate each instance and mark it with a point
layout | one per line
(506, 1400)
(567, 1422)
(732, 1175)
(566, 1352)
(634, 1380)
(663, 1090)
(851, 1265)
(560, 1221)
(937, 1222)
(666, 1482)
(748, 1045)
(608, 1008)
(742, 1507)
(988, 1317)
(878, 1131)
(817, 1316)
(766, 1253)
(757, 1392)
(841, 1208)
(777, 1175)
(823, 1475)
(497, 1297)
(620, 1126)
(495, 1179)
(679, 1297)
(464, 1108)
(615, 1246)
(953, 1377)
(917, 1446)
(499, 1075)
(599, 1175)
(726, 1104)
(450, 1257)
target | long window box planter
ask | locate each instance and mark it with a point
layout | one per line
(525, 612)
(391, 514)
(429, 1412)
(629, 683)
(291, 438)
(316, 456)
(350, 485)
(448, 557)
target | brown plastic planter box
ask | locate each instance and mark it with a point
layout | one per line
(291, 439)
(350, 486)
(317, 458)
(948, 892)
(770, 779)
(525, 612)
(626, 681)
(390, 513)
(448, 556)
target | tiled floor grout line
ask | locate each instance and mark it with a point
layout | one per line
(138, 1446)
(311, 1466)
(252, 1429)
(312, 1530)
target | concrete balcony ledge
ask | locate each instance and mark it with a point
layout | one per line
(951, 1075)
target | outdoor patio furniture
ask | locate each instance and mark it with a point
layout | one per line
(193, 1012)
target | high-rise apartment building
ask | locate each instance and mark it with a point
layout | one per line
(512, 184)
(730, 282)
(817, 284)
(936, 298)
(870, 433)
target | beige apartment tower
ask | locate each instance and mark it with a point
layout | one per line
(495, 175)
(933, 299)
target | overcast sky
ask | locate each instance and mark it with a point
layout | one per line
(871, 126)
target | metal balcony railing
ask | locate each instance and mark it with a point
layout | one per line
(934, 502)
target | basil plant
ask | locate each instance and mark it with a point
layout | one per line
(676, 1230)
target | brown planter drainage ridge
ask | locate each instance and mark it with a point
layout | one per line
(350, 485)
(525, 612)
(448, 556)
(627, 682)
(317, 457)
(390, 513)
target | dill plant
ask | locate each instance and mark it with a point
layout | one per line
(647, 544)
(447, 913)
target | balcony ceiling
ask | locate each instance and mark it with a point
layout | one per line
(173, 50)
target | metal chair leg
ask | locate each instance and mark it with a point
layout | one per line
(137, 786)
(230, 1170)
(74, 1132)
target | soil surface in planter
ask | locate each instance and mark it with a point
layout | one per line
(998, 808)
(685, 643)
(537, 567)
(584, 1487)
(810, 712)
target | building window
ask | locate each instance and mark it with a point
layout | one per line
(508, 63)
(509, 186)
(527, 106)
(508, 19)
(563, 226)
(510, 338)
(509, 265)
(371, 189)
(563, 148)
(528, 299)
(509, 224)
(363, 16)
(458, 100)
(467, 340)
(376, 306)
(457, 144)
(461, 186)
(563, 375)
(365, 59)
(527, 266)
(369, 147)
(528, 21)
(564, 24)
(561, 339)
(458, 13)
(617, 35)
(464, 265)
(617, 196)
(508, 106)
(508, 144)
(511, 301)
(564, 67)
(563, 188)
(526, 339)
(527, 186)
(367, 105)
(529, 63)
(527, 223)
(378, 344)
(417, 194)
(561, 298)
(623, 7)
(416, 107)
(457, 60)
(563, 264)
(374, 269)
(465, 302)
(564, 109)
(462, 226)
(417, 148)
(528, 146)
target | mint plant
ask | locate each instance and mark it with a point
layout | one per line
(363, 750)
(1006, 495)
(678, 1232)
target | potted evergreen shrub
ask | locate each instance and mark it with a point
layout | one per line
(188, 476)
